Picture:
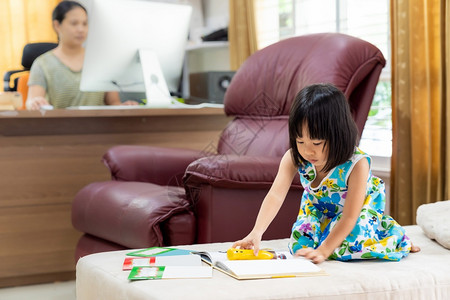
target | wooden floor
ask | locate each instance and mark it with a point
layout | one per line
(64, 290)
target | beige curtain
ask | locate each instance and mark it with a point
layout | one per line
(23, 22)
(241, 31)
(420, 104)
(254, 24)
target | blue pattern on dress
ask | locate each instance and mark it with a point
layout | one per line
(375, 235)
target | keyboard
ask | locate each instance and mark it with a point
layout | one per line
(110, 107)
(119, 107)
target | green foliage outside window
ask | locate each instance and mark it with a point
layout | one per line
(380, 113)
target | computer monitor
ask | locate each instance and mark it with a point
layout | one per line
(135, 46)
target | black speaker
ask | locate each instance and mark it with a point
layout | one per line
(209, 86)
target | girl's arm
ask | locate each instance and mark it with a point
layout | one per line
(357, 183)
(271, 204)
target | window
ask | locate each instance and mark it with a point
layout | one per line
(365, 19)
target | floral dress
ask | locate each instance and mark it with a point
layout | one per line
(375, 235)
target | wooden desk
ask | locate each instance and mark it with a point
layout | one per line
(47, 157)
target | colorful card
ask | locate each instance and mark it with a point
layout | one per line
(159, 251)
(170, 272)
(131, 262)
(178, 260)
(139, 273)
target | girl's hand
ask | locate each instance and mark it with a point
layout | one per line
(250, 241)
(315, 255)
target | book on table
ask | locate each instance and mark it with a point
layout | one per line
(283, 264)
(164, 263)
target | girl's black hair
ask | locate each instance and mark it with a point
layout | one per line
(325, 111)
(60, 11)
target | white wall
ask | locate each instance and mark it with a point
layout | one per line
(207, 56)
(216, 14)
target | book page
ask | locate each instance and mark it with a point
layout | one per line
(187, 272)
(278, 267)
(211, 257)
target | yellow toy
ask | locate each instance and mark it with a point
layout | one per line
(245, 254)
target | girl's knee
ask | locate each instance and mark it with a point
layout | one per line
(303, 235)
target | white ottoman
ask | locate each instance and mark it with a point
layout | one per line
(422, 275)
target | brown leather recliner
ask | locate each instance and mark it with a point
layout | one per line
(162, 196)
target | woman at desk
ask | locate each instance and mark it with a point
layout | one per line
(55, 75)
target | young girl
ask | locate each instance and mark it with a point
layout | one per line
(341, 213)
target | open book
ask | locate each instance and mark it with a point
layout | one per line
(282, 265)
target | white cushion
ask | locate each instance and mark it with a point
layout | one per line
(434, 219)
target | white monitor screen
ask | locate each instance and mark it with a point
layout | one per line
(119, 30)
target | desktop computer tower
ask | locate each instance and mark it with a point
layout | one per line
(209, 86)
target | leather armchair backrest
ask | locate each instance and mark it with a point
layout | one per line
(262, 90)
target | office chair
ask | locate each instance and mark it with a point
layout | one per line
(29, 54)
(16, 80)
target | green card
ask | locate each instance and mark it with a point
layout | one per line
(147, 272)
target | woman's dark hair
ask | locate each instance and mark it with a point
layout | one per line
(325, 111)
(60, 11)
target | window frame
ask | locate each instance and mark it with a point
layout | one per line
(382, 157)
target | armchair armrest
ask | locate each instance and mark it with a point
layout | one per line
(162, 166)
(226, 194)
(235, 172)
